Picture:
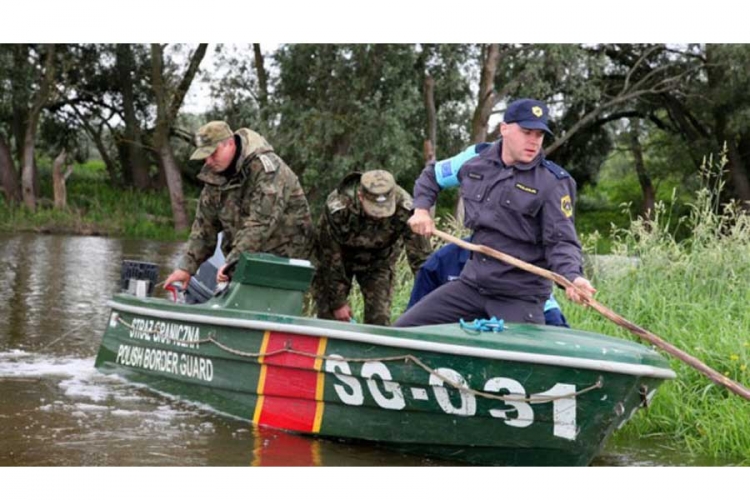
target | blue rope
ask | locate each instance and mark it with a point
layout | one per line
(484, 325)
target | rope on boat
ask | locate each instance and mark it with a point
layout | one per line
(406, 358)
(483, 325)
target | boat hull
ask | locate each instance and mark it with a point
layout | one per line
(519, 397)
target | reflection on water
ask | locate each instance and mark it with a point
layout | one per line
(56, 409)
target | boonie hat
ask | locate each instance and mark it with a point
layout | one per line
(378, 190)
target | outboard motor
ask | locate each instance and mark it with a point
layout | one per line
(138, 278)
(202, 285)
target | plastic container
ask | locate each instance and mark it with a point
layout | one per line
(133, 271)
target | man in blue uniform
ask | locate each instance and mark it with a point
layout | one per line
(446, 264)
(516, 201)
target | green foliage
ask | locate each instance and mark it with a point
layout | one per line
(360, 107)
(95, 207)
(234, 89)
(615, 198)
(346, 108)
(692, 293)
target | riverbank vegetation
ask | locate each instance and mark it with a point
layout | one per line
(693, 293)
(95, 207)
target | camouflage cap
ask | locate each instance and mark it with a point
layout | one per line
(208, 137)
(378, 193)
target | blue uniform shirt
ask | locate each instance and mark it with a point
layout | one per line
(446, 265)
(525, 210)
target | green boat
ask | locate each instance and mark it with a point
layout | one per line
(527, 395)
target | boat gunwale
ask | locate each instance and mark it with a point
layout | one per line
(388, 341)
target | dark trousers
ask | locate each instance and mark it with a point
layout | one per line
(457, 300)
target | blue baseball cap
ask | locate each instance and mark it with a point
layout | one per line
(528, 113)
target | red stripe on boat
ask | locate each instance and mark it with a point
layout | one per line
(290, 382)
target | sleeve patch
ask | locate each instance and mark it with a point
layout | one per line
(446, 171)
(268, 165)
(336, 205)
(566, 206)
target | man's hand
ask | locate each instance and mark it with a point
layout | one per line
(178, 275)
(586, 290)
(220, 276)
(421, 222)
(343, 313)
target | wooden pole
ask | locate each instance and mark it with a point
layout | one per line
(709, 372)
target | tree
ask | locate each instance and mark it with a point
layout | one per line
(8, 175)
(168, 102)
(235, 88)
(346, 108)
(487, 96)
(727, 82)
(647, 187)
(59, 177)
(260, 70)
(446, 94)
(135, 163)
(42, 94)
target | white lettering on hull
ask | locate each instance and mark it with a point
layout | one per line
(159, 360)
(516, 412)
(165, 333)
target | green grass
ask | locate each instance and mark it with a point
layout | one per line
(96, 207)
(693, 293)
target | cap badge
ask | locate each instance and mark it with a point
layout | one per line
(537, 111)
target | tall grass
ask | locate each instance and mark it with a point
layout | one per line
(693, 293)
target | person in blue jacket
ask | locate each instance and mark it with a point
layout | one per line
(516, 201)
(446, 265)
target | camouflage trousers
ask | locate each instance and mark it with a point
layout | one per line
(376, 284)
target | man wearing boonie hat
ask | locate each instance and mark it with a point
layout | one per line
(515, 201)
(251, 195)
(360, 235)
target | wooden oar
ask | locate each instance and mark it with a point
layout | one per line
(709, 372)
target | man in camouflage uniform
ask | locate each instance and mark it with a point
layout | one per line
(361, 233)
(251, 195)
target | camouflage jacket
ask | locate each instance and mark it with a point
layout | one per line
(347, 238)
(262, 208)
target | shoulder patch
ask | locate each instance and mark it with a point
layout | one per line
(268, 164)
(566, 206)
(335, 205)
(556, 169)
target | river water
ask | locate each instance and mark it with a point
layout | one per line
(57, 410)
